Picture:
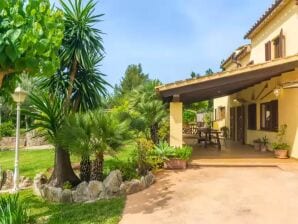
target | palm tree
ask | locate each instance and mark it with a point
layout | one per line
(81, 38)
(49, 115)
(149, 108)
(78, 82)
(79, 140)
(110, 135)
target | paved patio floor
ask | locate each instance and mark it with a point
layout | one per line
(214, 195)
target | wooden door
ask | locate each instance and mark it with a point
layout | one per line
(232, 123)
(240, 124)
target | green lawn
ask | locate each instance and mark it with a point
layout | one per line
(31, 161)
(36, 161)
(102, 212)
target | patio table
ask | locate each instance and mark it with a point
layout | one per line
(207, 134)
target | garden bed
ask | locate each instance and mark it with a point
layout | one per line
(111, 187)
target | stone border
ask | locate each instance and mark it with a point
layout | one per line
(6, 181)
(111, 187)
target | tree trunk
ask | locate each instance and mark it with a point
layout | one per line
(154, 133)
(72, 76)
(63, 171)
(97, 167)
(1, 79)
(85, 168)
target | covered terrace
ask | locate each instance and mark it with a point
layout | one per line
(214, 86)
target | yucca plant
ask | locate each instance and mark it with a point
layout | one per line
(81, 38)
(12, 210)
(49, 114)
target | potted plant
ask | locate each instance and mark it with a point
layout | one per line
(257, 144)
(177, 158)
(264, 144)
(280, 147)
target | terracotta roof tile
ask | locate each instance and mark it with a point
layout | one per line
(263, 17)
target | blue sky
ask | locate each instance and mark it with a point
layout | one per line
(172, 38)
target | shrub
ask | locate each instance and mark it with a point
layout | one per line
(7, 129)
(67, 185)
(164, 152)
(183, 152)
(12, 211)
(281, 144)
(164, 130)
(142, 155)
(128, 168)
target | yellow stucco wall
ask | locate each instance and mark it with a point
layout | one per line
(221, 102)
(287, 108)
(176, 124)
(286, 19)
(243, 61)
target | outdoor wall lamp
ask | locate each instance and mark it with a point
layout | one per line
(277, 91)
(19, 97)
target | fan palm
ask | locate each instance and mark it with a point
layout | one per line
(149, 108)
(78, 140)
(109, 134)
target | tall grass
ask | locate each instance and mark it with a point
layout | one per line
(12, 210)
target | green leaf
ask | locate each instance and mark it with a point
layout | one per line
(18, 20)
(15, 35)
(3, 60)
(3, 4)
(11, 52)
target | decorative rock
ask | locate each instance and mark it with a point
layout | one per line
(113, 182)
(39, 180)
(123, 187)
(92, 191)
(25, 182)
(134, 186)
(53, 194)
(7, 180)
(66, 196)
(95, 190)
(147, 180)
(81, 193)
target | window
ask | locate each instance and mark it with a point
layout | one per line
(269, 116)
(268, 51)
(220, 113)
(252, 117)
(279, 46)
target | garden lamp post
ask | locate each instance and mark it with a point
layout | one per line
(19, 97)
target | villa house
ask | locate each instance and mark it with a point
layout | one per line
(257, 91)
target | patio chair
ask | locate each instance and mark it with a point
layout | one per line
(224, 134)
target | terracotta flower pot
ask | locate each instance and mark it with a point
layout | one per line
(257, 146)
(281, 154)
(174, 164)
(263, 148)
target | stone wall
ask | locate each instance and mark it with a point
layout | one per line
(10, 142)
(30, 139)
(111, 187)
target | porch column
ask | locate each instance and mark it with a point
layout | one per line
(176, 124)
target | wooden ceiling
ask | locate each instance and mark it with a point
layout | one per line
(225, 83)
